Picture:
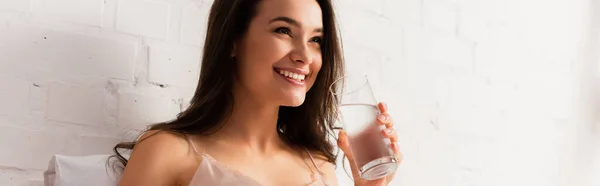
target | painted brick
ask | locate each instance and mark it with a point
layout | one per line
(365, 60)
(440, 15)
(15, 177)
(443, 168)
(88, 12)
(65, 53)
(143, 17)
(193, 25)
(475, 153)
(404, 12)
(370, 30)
(22, 5)
(109, 14)
(423, 45)
(186, 96)
(32, 149)
(473, 23)
(111, 96)
(94, 145)
(174, 22)
(174, 65)
(468, 107)
(14, 94)
(137, 111)
(75, 104)
(374, 6)
(38, 98)
(3, 25)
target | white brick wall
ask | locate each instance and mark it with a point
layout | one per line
(484, 92)
(15, 5)
(88, 12)
(144, 17)
(174, 65)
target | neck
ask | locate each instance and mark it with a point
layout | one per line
(252, 125)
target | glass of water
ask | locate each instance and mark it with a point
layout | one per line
(358, 111)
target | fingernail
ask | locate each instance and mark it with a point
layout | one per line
(381, 117)
(387, 131)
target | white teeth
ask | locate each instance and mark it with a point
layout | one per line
(292, 75)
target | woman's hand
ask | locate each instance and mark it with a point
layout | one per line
(389, 132)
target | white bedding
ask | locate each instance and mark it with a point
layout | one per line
(80, 171)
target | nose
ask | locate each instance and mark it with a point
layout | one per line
(301, 54)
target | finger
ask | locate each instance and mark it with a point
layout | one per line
(395, 148)
(344, 144)
(382, 107)
(391, 134)
(399, 157)
(397, 154)
(386, 120)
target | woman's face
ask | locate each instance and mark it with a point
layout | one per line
(279, 57)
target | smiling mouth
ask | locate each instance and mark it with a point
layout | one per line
(291, 76)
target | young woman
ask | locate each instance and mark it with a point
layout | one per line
(262, 113)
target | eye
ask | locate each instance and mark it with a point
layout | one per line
(318, 40)
(283, 30)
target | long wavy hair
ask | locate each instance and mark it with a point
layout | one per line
(307, 126)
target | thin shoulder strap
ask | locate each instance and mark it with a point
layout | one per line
(313, 161)
(192, 144)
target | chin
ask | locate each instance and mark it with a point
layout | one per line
(294, 101)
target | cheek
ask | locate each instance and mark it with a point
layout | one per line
(316, 68)
(259, 55)
(317, 63)
(265, 46)
(257, 69)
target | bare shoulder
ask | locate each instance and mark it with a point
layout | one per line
(159, 144)
(158, 158)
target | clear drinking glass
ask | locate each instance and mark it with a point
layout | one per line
(358, 111)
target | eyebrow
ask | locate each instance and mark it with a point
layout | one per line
(292, 22)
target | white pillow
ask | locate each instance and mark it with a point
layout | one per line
(81, 171)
